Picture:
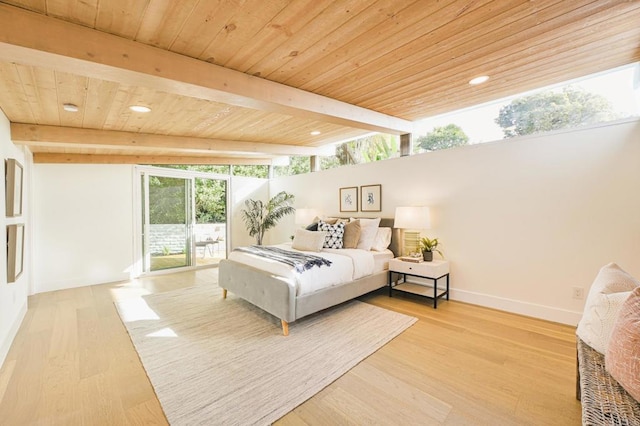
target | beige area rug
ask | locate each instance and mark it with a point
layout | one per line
(214, 361)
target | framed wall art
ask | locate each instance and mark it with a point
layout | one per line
(15, 251)
(13, 180)
(349, 199)
(371, 198)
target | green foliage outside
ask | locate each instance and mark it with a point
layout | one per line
(259, 171)
(444, 137)
(259, 217)
(169, 198)
(211, 201)
(364, 150)
(205, 168)
(169, 194)
(251, 171)
(331, 162)
(210, 196)
(297, 165)
(546, 111)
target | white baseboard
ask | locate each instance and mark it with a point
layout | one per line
(549, 313)
(5, 345)
(42, 287)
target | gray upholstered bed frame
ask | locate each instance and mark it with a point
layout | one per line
(278, 296)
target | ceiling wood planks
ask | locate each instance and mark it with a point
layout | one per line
(537, 46)
(68, 47)
(255, 72)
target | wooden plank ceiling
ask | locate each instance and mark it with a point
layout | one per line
(246, 80)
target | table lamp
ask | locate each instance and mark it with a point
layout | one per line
(412, 220)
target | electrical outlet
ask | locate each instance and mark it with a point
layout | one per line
(578, 292)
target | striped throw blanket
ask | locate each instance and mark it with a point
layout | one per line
(300, 261)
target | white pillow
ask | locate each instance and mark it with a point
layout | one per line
(382, 239)
(308, 240)
(368, 230)
(609, 291)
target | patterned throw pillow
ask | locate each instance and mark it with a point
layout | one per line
(335, 234)
(622, 359)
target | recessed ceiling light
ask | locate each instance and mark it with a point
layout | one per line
(139, 108)
(315, 133)
(479, 80)
(70, 107)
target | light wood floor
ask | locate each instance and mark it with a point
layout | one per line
(72, 363)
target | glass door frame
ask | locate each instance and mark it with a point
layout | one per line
(141, 174)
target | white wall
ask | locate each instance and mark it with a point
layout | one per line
(13, 296)
(83, 225)
(522, 221)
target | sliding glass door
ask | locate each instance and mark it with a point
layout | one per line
(166, 227)
(183, 219)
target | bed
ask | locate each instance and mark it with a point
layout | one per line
(278, 294)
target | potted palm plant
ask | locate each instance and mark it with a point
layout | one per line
(260, 217)
(428, 246)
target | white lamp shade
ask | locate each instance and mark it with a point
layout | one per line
(412, 218)
(305, 216)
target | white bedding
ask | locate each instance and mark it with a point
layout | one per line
(381, 260)
(347, 265)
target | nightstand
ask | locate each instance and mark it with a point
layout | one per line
(433, 271)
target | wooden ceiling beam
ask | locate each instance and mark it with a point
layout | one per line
(72, 48)
(41, 135)
(59, 158)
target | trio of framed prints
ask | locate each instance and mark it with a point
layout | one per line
(15, 232)
(370, 198)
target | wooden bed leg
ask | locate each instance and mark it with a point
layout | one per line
(224, 293)
(285, 327)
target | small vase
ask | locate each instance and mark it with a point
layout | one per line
(427, 255)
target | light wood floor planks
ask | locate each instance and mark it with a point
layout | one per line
(72, 363)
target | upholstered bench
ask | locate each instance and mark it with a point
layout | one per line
(604, 401)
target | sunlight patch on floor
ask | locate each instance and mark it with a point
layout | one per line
(129, 290)
(165, 332)
(136, 309)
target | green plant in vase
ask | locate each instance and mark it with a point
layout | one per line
(428, 246)
(259, 217)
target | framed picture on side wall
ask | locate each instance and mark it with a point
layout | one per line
(13, 180)
(15, 251)
(349, 199)
(371, 198)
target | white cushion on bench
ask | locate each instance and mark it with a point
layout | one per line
(608, 292)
